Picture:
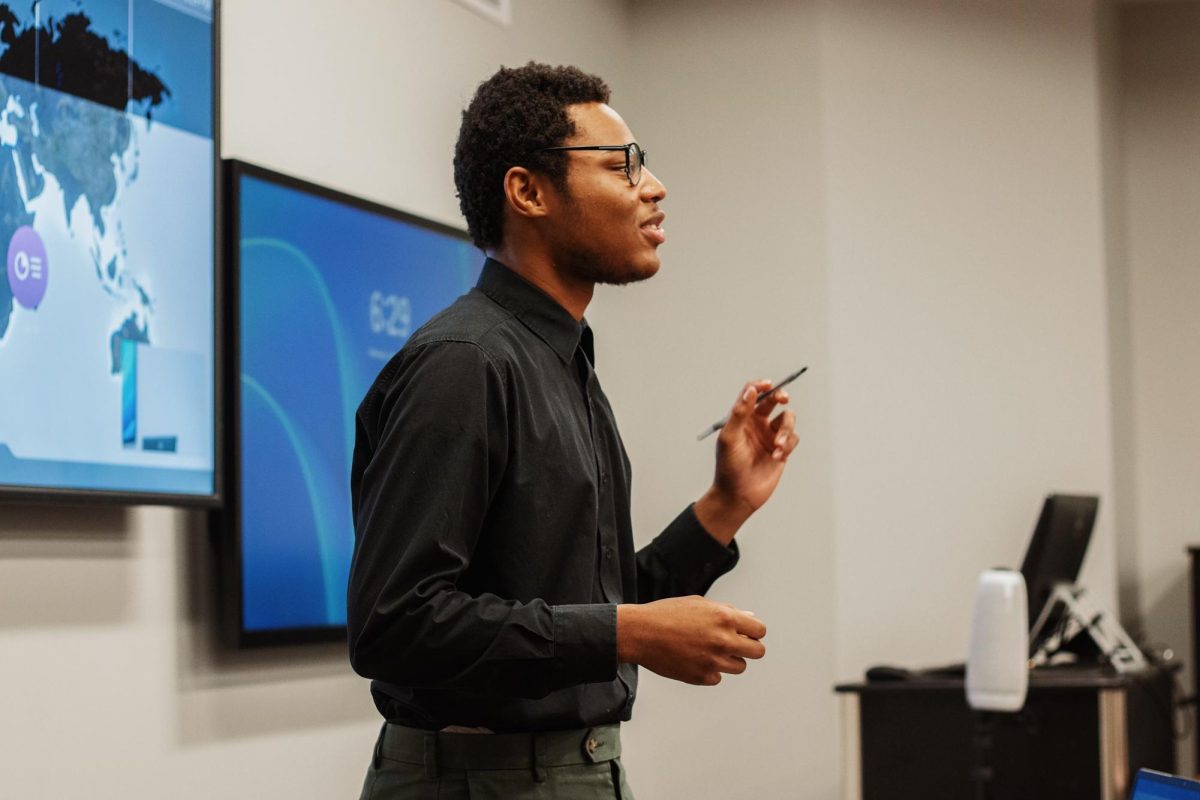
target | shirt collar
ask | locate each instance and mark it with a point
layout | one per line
(536, 310)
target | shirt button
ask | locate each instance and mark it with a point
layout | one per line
(593, 744)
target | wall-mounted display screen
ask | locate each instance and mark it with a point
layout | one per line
(107, 303)
(328, 288)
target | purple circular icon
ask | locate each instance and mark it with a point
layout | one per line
(28, 270)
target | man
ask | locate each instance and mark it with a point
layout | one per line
(495, 599)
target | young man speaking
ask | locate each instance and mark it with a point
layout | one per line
(496, 600)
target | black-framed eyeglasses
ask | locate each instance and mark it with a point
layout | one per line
(635, 156)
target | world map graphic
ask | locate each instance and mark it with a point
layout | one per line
(64, 91)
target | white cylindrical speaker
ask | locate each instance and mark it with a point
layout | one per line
(998, 659)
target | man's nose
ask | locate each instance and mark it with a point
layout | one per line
(653, 190)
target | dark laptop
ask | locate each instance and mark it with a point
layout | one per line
(1150, 785)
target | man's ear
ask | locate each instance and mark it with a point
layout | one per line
(526, 193)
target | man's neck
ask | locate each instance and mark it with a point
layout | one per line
(572, 295)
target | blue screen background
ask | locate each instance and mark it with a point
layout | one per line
(321, 283)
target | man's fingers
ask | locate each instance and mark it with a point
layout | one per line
(749, 625)
(772, 401)
(746, 647)
(784, 424)
(784, 438)
(732, 665)
(746, 400)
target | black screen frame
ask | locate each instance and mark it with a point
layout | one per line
(225, 522)
(56, 495)
(1050, 546)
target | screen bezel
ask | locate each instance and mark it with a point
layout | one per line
(226, 522)
(15, 493)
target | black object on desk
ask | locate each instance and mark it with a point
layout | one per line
(1082, 735)
(1056, 550)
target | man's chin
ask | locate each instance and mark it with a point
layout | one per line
(613, 273)
(633, 273)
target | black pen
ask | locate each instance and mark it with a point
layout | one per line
(716, 426)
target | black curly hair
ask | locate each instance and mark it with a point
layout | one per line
(513, 114)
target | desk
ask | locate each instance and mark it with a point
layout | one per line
(1082, 735)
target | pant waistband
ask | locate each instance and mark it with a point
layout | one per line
(465, 751)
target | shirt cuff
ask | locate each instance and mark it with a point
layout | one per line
(692, 553)
(585, 642)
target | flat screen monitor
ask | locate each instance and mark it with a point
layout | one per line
(1059, 543)
(107, 304)
(328, 287)
(1151, 785)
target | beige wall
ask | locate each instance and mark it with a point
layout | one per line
(1160, 177)
(967, 305)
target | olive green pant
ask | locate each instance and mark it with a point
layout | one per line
(572, 765)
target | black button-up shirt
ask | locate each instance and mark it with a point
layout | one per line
(492, 524)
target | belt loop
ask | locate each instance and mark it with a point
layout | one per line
(431, 755)
(539, 772)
